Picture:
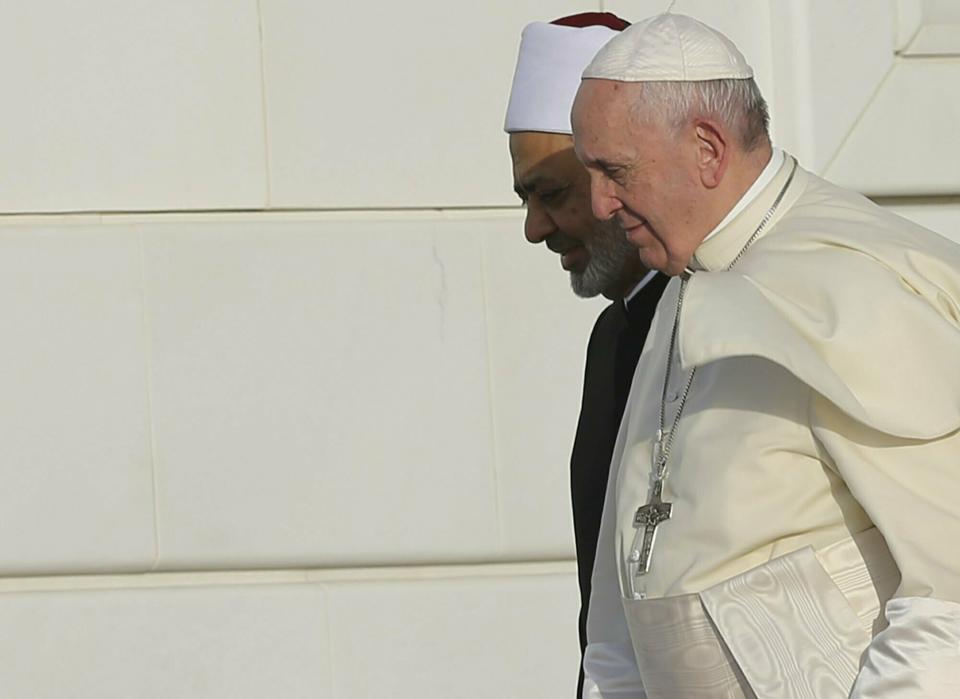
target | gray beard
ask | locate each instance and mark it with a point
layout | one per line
(609, 251)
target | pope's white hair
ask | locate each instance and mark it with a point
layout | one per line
(736, 103)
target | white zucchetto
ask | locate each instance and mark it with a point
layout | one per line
(668, 47)
(551, 59)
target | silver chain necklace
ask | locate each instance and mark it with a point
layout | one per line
(649, 516)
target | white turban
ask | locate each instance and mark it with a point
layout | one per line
(551, 59)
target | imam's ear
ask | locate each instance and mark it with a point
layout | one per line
(712, 152)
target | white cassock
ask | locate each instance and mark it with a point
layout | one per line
(813, 548)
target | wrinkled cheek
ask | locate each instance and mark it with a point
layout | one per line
(654, 259)
(653, 253)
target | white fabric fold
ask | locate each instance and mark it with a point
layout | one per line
(609, 665)
(610, 672)
(917, 656)
(817, 328)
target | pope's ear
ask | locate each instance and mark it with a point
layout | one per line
(712, 152)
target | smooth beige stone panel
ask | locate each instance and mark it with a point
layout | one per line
(905, 141)
(538, 341)
(320, 393)
(936, 40)
(240, 642)
(909, 19)
(829, 59)
(119, 105)
(75, 462)
(393, 104)
(940, 11)
(495, 637)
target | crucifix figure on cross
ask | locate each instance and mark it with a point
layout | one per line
(646, 521)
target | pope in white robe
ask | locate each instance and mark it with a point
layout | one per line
(783, 514)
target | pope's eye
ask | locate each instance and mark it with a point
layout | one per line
(613, 173)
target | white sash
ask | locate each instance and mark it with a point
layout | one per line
(793, 627)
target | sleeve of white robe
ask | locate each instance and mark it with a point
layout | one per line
(609, 667)
(910, 488)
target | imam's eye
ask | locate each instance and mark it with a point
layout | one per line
(551, 196)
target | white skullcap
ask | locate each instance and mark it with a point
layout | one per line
(669, 47)
(551, 59)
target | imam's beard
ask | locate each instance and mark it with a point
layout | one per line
(609, 251)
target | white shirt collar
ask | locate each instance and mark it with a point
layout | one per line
(636, 290)
(768, 173)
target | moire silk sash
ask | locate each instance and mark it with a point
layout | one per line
(679, 652)
(793, 627)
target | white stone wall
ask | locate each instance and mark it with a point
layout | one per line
(288, 401)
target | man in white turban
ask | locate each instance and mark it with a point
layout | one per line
(555, 189)
(783, 511)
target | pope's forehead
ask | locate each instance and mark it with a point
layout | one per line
(594, 93)
(604, 100)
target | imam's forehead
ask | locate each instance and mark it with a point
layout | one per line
(527, 145)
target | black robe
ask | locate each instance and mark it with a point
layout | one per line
(615, 345)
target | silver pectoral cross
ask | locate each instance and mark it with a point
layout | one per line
(646, 521)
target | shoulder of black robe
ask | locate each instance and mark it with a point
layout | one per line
(612, 353)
